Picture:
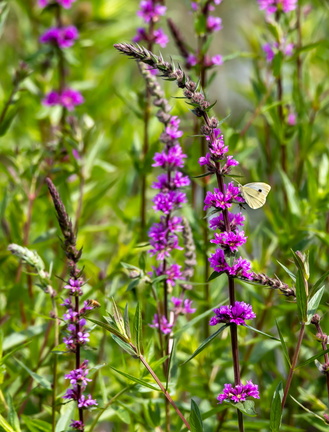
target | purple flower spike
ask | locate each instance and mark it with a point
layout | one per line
(66, 4)
(238, 393)
(236, 314)
(231, 240)
(68, 99)
(84, 402)
(182, 306)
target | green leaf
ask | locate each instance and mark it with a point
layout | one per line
(36, 425)
(205, 343)
(291, 274)
(136, 380)
(301, 297)
(312, 359)
(313, 304)
(124, 345)
(12, 414)
(9, 355)
(66, 414)
(18, 338)
(138, 328)
(41, 380)
(5, 124)
(195, 419)
(262, 333)
(320, 281)
(307, 410)
(214, 275)
(126, 321)
(293, 202)
(119, 321)
(276, 409)
(247, 407)
(108, 327)
(283, 344)
(5, 425)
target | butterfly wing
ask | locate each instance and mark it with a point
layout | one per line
(255, 194)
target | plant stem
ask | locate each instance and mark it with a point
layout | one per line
(164, 391)
(293, 364)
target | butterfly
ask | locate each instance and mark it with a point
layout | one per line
(255, 194)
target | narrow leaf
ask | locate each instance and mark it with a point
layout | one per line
(283, 344)
(5, 425)
(320, 281)
(312, 359)
(313, 304)
(301, 297)
(126, 321)
(195, 418)
(291, 274)
(108, 327)
(124, 345)
(138, 328)
(276, 409)
(262, 333)
(205, 343)
(136, 380)
(41, 380)
(119, 321)
(12, 414)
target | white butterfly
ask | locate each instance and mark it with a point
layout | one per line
(255, 194)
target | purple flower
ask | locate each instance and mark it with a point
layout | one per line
(235, 219)
(77, 424)
(216, 144)
(66, 4)
(238, 393)
(182, 306)
(194, 6)
(217, 60)
(271, 6)
(79, 376)
(141, 35)
(163, 248)
(214, 23)
(241, 267)
(236, 314)
(284, 47)
(82, 337)
(291, 120)
(177, 180)
(220, 200)
(69, 98)
(74, 286)
(191, 60)
(165, 326)
(171, 158)
(218, 261)
(231, 240)
(160, 37)
(84, 402)
(267, 48)
(167, 202)
(150, 10)
(70, 315)
(173, 273)
(63, 37)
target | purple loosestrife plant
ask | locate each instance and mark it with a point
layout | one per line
(77, 335)
(218, 163)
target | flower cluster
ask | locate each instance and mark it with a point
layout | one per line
(61, 37)
(236, 314)
(272, 6)
(75, 338)
(67, 98)
(238, 393)
(180, 307)
(270, 49)
(150, 11)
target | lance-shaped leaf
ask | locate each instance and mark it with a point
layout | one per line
(313, 304)
(276, 409)
(138, 328)
(124, 345)
(195, 418)
(301, 296)
(136, 380)
(283, 344)
(119, 321)
(205, 343)
(110, 328)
